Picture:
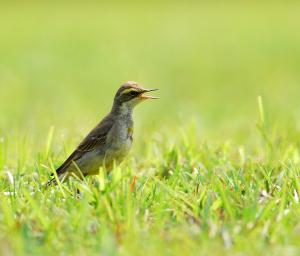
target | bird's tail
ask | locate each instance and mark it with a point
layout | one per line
(53, 181)
(56, 178)
(62, 177)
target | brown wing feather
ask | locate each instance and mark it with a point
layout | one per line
(94, 139)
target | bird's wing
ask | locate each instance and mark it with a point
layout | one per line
(96, 138)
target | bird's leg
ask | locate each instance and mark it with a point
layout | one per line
(133, 184)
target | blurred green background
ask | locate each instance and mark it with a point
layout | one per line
(61, 63)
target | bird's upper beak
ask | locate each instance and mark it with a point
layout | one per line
(145, 97)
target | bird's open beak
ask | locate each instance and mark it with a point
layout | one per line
(145, 97)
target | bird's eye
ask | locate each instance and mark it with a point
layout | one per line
(133, 93)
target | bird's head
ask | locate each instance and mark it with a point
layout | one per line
(130, 94)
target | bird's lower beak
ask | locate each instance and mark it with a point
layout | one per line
(145, 97)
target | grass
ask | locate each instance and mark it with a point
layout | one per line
(215, 164)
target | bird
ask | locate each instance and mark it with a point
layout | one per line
(110, 141)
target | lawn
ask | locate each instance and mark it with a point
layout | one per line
(215, 165)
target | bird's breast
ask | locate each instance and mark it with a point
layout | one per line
(130, 133)
(120, 138)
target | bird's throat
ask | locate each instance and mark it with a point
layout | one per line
(122, 109)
